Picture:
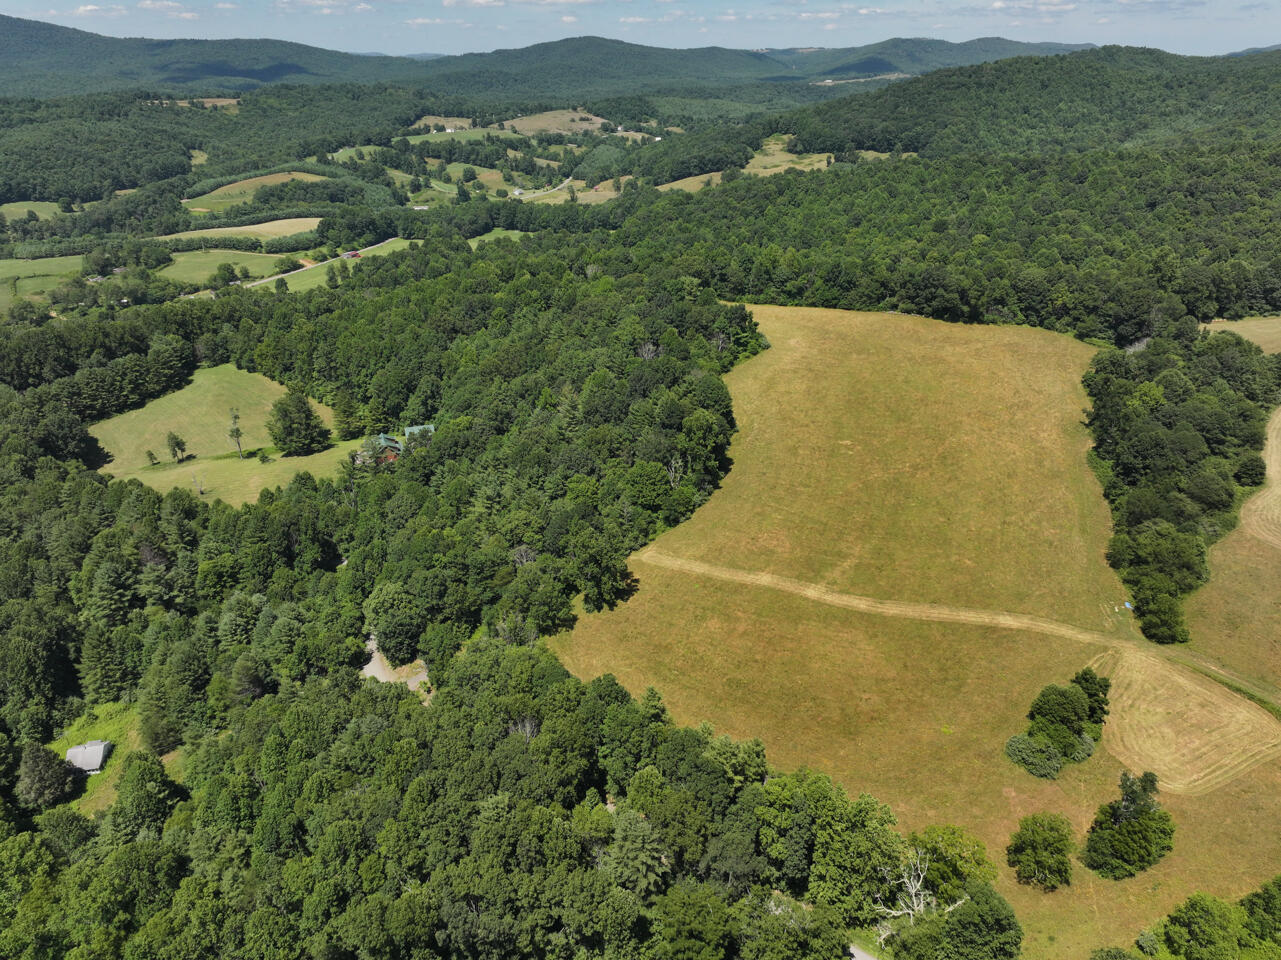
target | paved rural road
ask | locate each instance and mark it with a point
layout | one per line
(543, 193)
(259, 283)
(1261, 515)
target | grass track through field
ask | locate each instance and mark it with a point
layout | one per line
(1200, 739)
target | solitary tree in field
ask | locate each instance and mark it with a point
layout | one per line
(235, 433)
(177, 446)
(295, 427)
(151, 458)
(1041, 851)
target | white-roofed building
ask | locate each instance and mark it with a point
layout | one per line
(90, 756)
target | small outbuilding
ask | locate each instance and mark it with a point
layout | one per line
(89, 757)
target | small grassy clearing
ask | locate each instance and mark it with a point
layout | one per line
(496, 234)
(17, 210)
(33, 278)
(693, 184)
(242, 191)
(773, 157)
(117, 722)
(1265, 331)
(555, 121)
(474, 133)
(197, 266)
(198, 157)
(455, 123)
(200, 414)
(883, 457)
(267, 230)
(315, 276)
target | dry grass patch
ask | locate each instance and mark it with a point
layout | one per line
(940, 468)
(1235, 619)
(693, 184)
(1265, 331)
(773, 157)
(456, 123)
(263, 231)
(554, 121)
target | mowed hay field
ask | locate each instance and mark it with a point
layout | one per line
(264, 231)
(197, 266)
(32, 278)
(554, 121)
(242, 191)
(909, 546)
(200, 413)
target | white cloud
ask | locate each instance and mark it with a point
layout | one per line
(93, 10)
(436, 22)
(568, 19)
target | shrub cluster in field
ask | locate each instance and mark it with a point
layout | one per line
(1128, 835)
(1205, 927)
(1066, 723)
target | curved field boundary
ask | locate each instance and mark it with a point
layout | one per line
(1261, 515)
(1195, 734)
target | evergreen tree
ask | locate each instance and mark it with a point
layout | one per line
(295, 427)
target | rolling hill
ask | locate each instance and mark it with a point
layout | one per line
(913, 55)
(43, 59)
(1100, 98)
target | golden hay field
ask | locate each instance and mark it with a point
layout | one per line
(554, 121)
(909, 546)
(267, 230)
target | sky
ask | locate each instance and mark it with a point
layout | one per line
(458, 26)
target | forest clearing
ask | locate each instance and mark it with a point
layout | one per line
(873, 543)
(200, 414)
(242, 191)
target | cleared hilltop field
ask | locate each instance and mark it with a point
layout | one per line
(200, 414)
(910, 545)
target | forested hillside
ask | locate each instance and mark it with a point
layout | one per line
(43, 60)
(1106, 98)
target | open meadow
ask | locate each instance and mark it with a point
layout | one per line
(242, 191)
(18, 210)
(909, 546)
(197, 266)
(200, 413)
(555, 121)
(29, 278)
(262, 231)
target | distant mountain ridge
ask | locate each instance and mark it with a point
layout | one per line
(42, 60)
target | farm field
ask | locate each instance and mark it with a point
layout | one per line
(692, 184)
(24, 278)
(17, 210)
(267, 230)
(242, 191)
(1265, 331)
(773, 157)
(431, 119)
(200, 414)
(910, 545)
(197, 266)
(555, 121)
